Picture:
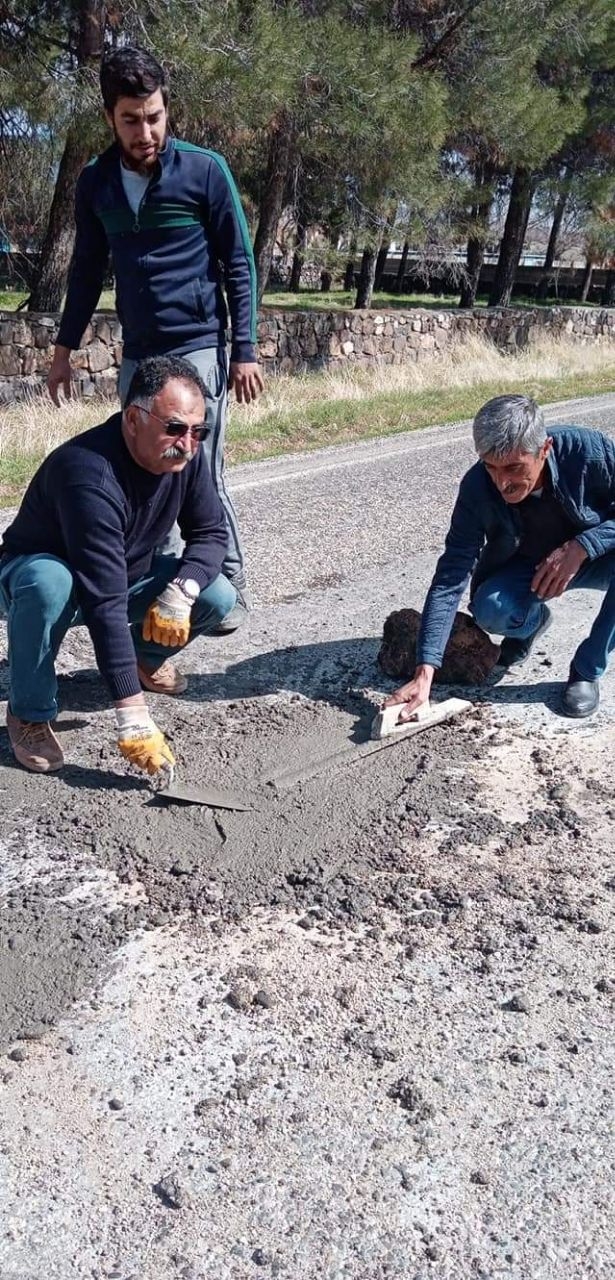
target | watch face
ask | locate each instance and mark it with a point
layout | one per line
(190, 587)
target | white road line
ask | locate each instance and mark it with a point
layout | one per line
(338, 464)
(378, 450)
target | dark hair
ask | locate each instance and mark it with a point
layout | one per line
(131, 73)
(152, 374)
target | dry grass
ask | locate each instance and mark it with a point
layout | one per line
(465, 364)
(339, 404)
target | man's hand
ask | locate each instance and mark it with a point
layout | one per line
(412, 695)
(557, 570)
(60, 374)
(246, 380)
(140, 741)
(167, 620)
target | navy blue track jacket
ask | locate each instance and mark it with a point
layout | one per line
(485, 531)
(170, 259)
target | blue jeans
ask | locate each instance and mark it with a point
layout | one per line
(37, 597)
(505, 605)
(211, 363)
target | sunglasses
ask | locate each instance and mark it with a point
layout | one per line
(175, 428)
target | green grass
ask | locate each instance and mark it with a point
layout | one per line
(340, 300)
(331, 422)
(336, 300)
(10, 299)
(16, 471)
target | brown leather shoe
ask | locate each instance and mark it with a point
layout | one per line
(165, 679)
(34, 745)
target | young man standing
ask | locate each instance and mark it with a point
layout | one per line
(170, 216)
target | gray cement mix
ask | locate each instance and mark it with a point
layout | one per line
(363, 1031)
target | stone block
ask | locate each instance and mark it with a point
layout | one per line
(347, 348)
(28, 360)
(469, 658)
(99, 356)
(10, 362)
(106, 382)
(22, 333)
(6, 333)
(268, 348)
(103, 330)
(42, 336)
(310, 346)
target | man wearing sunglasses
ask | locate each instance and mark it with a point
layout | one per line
(80, 551)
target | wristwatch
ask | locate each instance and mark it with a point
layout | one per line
(189, 586)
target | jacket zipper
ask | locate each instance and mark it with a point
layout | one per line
(136, 226)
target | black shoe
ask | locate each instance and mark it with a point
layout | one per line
(580, 697)
(513, 651)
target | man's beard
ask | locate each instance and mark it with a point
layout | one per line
(132, 161)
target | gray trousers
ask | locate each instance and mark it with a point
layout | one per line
(212, 365)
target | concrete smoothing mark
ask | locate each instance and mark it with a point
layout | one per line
(173, 862)
(335, 845)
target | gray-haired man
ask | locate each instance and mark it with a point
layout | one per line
(534, 517)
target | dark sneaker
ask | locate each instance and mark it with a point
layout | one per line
(580, 697)
(34, 744)
(513, 651)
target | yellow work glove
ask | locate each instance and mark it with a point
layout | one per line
(140, 741)
(167, 620)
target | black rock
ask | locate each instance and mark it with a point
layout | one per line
(516, 1004)
(170, 1192)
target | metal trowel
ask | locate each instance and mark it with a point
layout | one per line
(173, 792)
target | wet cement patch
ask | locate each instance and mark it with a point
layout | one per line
(310, 846)
(338, 847)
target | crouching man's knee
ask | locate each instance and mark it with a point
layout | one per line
(495, 612)
(214, 604)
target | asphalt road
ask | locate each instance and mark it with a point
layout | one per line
(297, 1092)
(309, 520)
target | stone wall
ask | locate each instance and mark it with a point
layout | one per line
(292, 341)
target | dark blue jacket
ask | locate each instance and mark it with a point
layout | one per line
(485, 531)
(170, 259)
(91, 505)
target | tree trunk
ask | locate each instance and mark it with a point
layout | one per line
(54, 261)
(349, 272)
(521, 194)
(294, 282)
(367, 275)
(281, 147)
(587, 280)
(398, 287)
(608, 293)
(542, 291)
(381, 262)
(484, 175)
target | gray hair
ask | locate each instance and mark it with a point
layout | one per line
(509, 424)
